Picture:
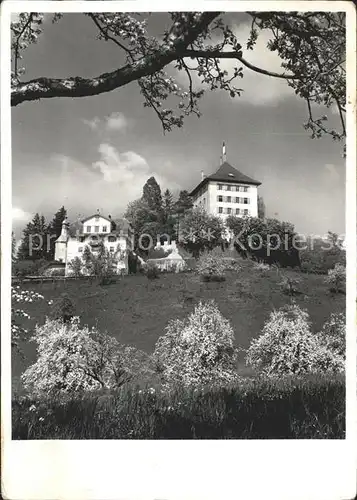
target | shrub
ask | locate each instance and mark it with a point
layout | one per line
(58, 272)
(75, 359)
(24, 268)
(43, 266)
(200, 231)
(287, 346)
(158, 253)
(190, 263)
(333, 334)
(231, 264)
(211, 266)
(107, 280)
(152, 272)
(336, 279)
(260, 266)
(198, 350)
(63, 308)
(319, 259)
(290, 285)
(76, 267)
(268, 240)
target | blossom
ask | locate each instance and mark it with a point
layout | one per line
(74, 358)
(19, 296)
(288, 346)
(199, 350)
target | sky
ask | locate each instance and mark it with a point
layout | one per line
(97, 152)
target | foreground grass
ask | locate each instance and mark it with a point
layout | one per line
(289, 408)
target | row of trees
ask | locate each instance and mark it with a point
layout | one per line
(38, 240)
(195, 352)
(153, 214)
(157, 214)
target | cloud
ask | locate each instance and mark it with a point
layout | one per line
(19, 215)
(108, 183)
(120, 167)
(115, 121)
(93, 124)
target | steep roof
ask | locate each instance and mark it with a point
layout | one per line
(226, 173)
(95, 215)
(76, 228)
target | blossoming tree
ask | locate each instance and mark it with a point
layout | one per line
(288, 346)
(311, 46)
(199, 350)
(75, 359)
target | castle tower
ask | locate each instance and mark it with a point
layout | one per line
(61, 242)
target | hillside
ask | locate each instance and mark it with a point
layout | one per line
(136, 310)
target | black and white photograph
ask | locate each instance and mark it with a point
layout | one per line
(183, 212)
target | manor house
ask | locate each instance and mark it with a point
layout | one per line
(227, 192)
(116, 235)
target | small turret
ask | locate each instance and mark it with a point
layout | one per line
(61, 242)
(64, 231)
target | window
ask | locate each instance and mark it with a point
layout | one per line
(241, 188)
(220, 210)
(96, 229)
(80, 249)
(111, 249)
(237, 200)
(229, 210)
(245, 189)
(246, 201)
(228, 187)
(104, 229)
(219, 198)
(229, 199)
(111, 238)
(88, 229)
(220, 187)
(246, 211)
(237, 211)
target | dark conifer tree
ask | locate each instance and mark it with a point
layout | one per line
(34, 241)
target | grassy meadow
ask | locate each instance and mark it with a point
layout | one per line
(312, 407)
(136, 310)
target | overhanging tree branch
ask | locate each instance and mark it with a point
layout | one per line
(311, 47)
(109, 37)
(179, 38)
(17, 53)
(207, 54)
